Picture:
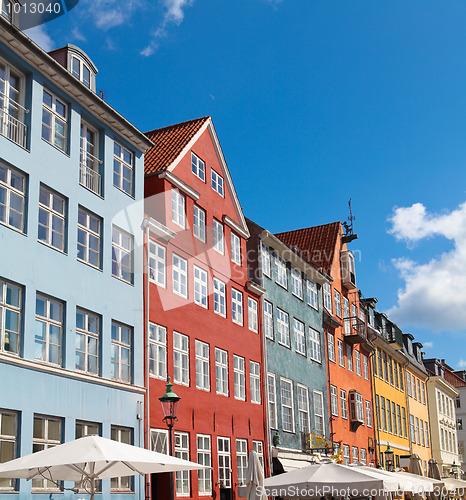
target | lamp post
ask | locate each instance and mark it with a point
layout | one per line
(169, 403)
(389, 457)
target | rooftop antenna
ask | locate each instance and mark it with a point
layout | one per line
(349, 234)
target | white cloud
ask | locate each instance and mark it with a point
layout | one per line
(428, 345)
(107, 14)
(461, 363)
(174, 14)
(41, 37)
(77, 35)
(434, 295)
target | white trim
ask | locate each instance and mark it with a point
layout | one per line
(182, 186)
(158, 228)
(233, 225)
(393, 445)
(255, 288)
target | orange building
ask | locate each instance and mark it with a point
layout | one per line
(348, 350)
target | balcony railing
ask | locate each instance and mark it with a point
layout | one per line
(13, 129)
(88, 176)
(356, 333)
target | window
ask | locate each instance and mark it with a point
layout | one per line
(337, 301)
(54, 121)
(383, 413)
(405, 429)
(180, 276)
(182, 451)
(219, 297)
(390, 370)
(299, 336)
(121, 351)
(258, 447)
(12, 195)
(157, 263)
(286, 395)
(49, 330)
(268, 320)
(343, 404)
(334, 400)
(398, 416)
(408, 383)
(81, 71)
(122, 255)
(255, 381)
(355, 454)
(426, 429)
(346, 454)
(52, 218)
(197, 167)
(87, 341)
(199, 223)
(331, 346)
(89, 238)
(12, 95)
(200, 286)
(411, 429)
(272, 395)
(368, 414)
(359, 408)
(224, 461)
(235, 249)
(346, 316)
(86, 429)
(421, 432)
(10, 316)
(357, 362)
(363, 456)
(400, 370)
(365, 366)
(6, 11)
(380, 363)
(180, 359)
(178, 208)
(319, 412)
(327, 297)
(296, 283)
(341, 357)
(394, 419)
(204, 457)
(123, 169)
(221, 371)
(202, 365)
(265, 254)
(122, 435)
(159, 440)
(242, 460)
(302, 396)
(236, 306)
(283, 328)
(218, 237)
(239, 378)
(312, 297)
(349, 357)
(314, 345)
(89, 175)
(8, 443)
(252, 314)
(280, 272)
(47, 433)
(385, 365)
(217, 183)
(157, 351)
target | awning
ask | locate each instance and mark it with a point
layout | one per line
(290, 464)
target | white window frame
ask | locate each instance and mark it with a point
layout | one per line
(219, 297)
(89, 337)
(343, 404)
(346, 316)
(56, 119)
(258, 447)
(299, 336)
(357, 362)
(200, 287)
(355, 454)
(253, 322)
(337, 301)
(239, 372)
(178, 204)
(266, 260)
(283, 327)
(369, 414)
(268, 320)
(180, 275)
(281, 276)
(363, 456)
(334, 400)
(331, 346)
(315, 348)
(90, 234)
(121, 346)
(52, 216)
(286, 385)
(204, 457)
(217, 183)
(13, 310)
(221, 372)
(237, 306)
(296, 283)
(89, 174)
(235, 249)
(180, 359)
(122, 255)
(199, 223)
(202, 351)
(341, 354)
(119, 179)
(349, 357)
(157, 351)
(302, 398)
(312, 295)
(124, 483)
(327, 297)
(157, 264)
(50, 325)
(365, 366)
(272, 400)
(80, 73)
(319, 425)
(14, 195)
(224, 461)
(182, 477)
(242, 460)
(218, 237)
(11, 440)
(45, 442)
(255, 382)
(197, 166)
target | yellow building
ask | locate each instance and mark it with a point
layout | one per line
(416, 393)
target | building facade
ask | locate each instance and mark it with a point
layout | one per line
(460, 403)
(348, 347)
(204, 314)
(70, 166)
(295, 350)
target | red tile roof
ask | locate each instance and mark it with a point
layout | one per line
(315, 245)
(169, 143)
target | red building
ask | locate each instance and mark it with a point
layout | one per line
(204, 314)
(349, 349)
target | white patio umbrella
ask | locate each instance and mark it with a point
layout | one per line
(327, 478)
(255, 478)
(92, 457)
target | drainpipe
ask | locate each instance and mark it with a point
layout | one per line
(329, 389)
(430, 425)
(146, 329)
(408, 422)
(375, 413)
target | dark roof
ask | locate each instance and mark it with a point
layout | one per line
(169, 142)
(317, 244)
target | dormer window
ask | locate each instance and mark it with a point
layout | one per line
(81, 71)
(6, 9)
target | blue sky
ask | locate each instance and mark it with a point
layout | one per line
(314, 102)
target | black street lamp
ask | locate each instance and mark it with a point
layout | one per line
(389, 457)
(169, 403)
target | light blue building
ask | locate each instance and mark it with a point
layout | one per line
(71, 301)
(296, 364)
